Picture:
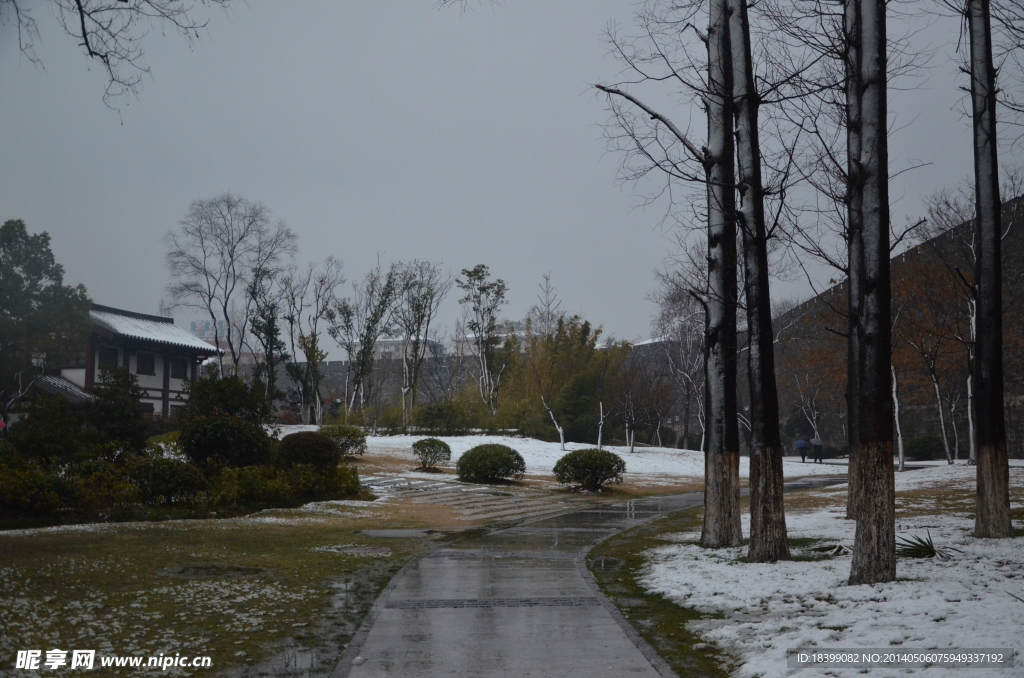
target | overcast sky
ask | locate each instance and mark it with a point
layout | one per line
(377, 127)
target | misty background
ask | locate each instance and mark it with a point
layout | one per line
(395, 129)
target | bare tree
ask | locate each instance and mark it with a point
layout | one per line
(874, 551)
(309, 301)
(992, 518)
(680, 327)
(109, 31)
(213, 257)
(545, 314)
(265, 324)
(357, 324)
(768, 541)
(483, 299)
(712, 166)
(421, 289)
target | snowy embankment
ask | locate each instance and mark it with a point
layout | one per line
(963, 602)
(540, 456)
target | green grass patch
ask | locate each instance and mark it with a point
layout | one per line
(616, 564)
(244, 593)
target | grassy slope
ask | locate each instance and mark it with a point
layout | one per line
(617, 562)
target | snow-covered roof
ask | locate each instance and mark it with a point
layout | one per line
(59, 386)
(153, 328)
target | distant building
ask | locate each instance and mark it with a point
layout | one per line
(393, 347)
(163, 356)
(205, 329)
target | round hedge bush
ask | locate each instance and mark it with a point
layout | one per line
(490, 464)
(430, 451)
(232, 440)
(349, 439)
(308, 447)
(590, 468)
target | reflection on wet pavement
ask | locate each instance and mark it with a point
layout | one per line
(513, 602)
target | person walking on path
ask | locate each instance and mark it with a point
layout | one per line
(801, 448)
(816, 447)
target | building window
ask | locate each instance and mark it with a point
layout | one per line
(145, 363)
(177, 411)
(179, 368)
(148, 409)
(108, 358)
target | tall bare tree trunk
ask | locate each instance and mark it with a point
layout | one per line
(942, 416)
(874, 549)
(767, 515)
(992, 518)
(896, 418)
(722, 522)
(855, 248)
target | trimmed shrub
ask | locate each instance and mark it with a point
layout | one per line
(230, 441)
(924, 448)
(349, 439)
(490, 464)
(590, 468)
(308, 447)
(430, 451)
(169, 480)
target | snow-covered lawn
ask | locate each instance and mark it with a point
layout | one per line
(541, 456)
(960, 603)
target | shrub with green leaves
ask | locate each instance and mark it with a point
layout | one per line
(590, 468)
(99, 487)
(228, 441)
(308, 447)
(264, 486)
(171, 481)
(490, 464)
(349, 439)
(445, 418)
(430, 451)
(924, 448)
(52, 433)
(26, 491)
(308, 483)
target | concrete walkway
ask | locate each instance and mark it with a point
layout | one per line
(516, 602)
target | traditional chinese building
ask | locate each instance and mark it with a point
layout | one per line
(163, 356)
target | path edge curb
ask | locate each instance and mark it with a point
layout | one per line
(355, 644)
(652, 656)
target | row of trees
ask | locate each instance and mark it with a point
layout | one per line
(815, 165)
(550, 373)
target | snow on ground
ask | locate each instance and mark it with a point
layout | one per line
(540, 456)
(960, 603)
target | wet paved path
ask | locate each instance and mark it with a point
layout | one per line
(515, 602)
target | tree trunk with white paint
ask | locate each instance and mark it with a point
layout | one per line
(768, 540)
(722, 524)
(896, 417)
(874, 549)
(992, 518)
